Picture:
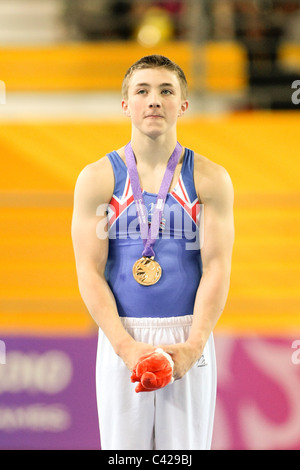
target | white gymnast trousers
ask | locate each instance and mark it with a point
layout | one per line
(177, 417)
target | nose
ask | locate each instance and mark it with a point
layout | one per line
(154, 101)
(154, 105)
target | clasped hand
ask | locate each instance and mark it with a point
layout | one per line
(184, 357)
(156, 369)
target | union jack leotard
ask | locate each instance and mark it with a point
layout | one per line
(177, 249)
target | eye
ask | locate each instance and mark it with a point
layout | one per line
(142, 92)
(166, 92)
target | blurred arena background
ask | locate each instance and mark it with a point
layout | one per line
(61, 68)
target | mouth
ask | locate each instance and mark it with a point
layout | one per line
(154, 116)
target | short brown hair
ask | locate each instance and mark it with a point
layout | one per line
(151, 62)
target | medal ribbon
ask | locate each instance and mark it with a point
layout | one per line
(149, 234)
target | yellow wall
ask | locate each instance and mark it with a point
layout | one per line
(101, 66)
(214, 66)
(39, 166)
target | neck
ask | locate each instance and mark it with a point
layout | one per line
(153, 151)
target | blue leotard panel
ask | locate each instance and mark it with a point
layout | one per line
(177, 248)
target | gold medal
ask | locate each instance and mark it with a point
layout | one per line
(146, 271)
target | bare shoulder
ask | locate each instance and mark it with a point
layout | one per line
(212, 181)
(95, 182)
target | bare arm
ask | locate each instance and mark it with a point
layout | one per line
(93, 192)
(216, 193)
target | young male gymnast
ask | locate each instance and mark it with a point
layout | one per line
(147, 274)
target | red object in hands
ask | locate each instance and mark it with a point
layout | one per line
(153, 371)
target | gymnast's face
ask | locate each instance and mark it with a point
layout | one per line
(154, 101)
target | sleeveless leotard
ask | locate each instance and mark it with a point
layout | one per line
(177, 248)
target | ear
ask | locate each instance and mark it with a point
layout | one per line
(125, 108)
(184, 106)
